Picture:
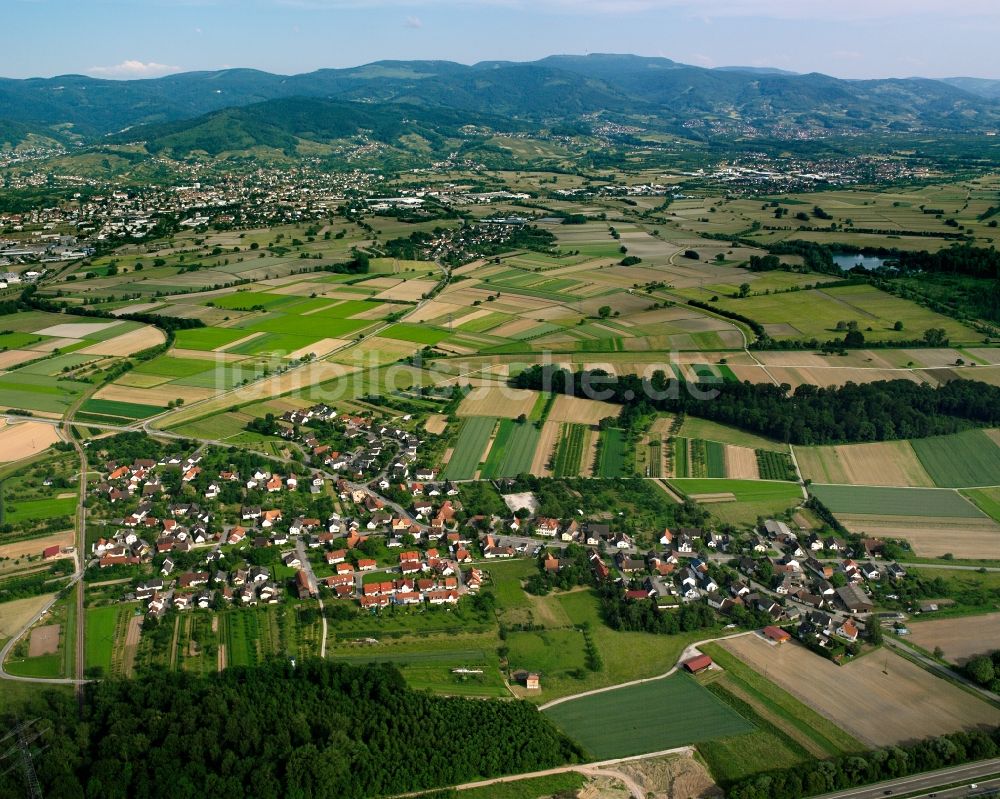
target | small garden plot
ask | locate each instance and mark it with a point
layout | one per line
(933, 502)
(649, 717)
(469, 446)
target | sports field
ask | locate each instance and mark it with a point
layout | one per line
(649, 717)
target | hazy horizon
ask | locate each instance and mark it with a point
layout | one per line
(139, 39)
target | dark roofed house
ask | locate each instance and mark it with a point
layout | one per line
(854, 599)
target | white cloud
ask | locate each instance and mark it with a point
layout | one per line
(131, 68)
(413, 22)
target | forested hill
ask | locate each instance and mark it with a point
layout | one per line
(879, 411)
(654, 92)
(317, 730)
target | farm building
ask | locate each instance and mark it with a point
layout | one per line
(776, 634)
(697, 664)
(51, 552)
(854, 599)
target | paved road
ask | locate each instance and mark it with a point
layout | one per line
(300, 549)
(928, 781)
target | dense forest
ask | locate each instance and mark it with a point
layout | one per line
(879, 411)
(312, 729)
(862, 769)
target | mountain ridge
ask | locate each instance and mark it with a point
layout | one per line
(657, 91)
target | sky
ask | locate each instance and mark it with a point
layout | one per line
(150, 38)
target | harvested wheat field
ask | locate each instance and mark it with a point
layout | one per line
(127, 343)
(34, 546)
(543, 451)
(320, 348)
(24, 439)
(436, 423)
(889, 463)
(961, 638)
(880, 699)
(44, 641)
(741, 463)
(407, 291)
(12, 358)
(14, 615)
(498, 400)
(76, 329)
(155, 395)
(582, 411)
(931, 537)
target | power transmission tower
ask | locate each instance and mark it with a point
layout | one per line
(20, 756)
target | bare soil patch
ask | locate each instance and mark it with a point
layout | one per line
(34, 546)
(931, 537)
(44, 640)
(880, 698)
(436, 423)
(581, 411)
(961, 638)
(498, 400)
(674, 777)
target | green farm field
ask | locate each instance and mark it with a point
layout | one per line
(932, 502)
(611, 460)
(101, 624)
(966, 459)
(37, 509)
(512, 450)
(648, 717)
(569, 451)
(986, 499)
(469, 447)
